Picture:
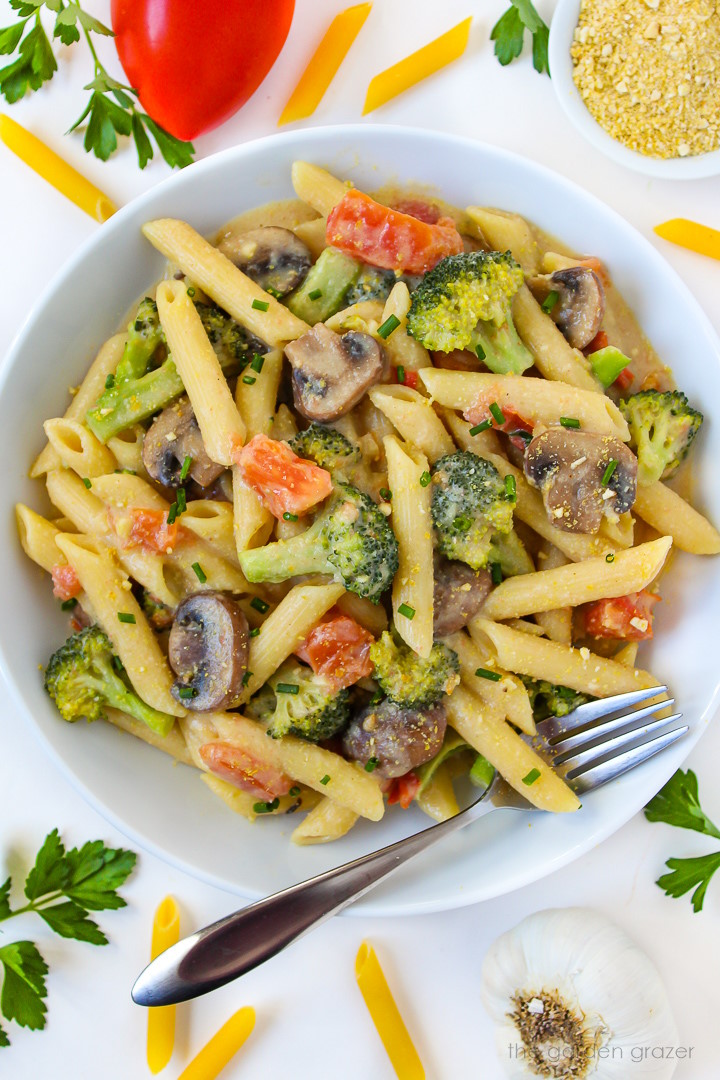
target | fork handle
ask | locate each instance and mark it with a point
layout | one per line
(240, 942)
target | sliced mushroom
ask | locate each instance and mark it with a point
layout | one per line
(276, 259)
(331, 373)
(208, 651)
(580, 306)
(399, 739)
(569, 468)
(173, 436)
(459, 594)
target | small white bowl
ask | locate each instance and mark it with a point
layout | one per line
(562, 30)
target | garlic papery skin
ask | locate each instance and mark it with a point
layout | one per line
(573, 997)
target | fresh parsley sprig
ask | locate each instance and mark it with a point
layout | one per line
(678, 803)
(112, 109)
(62, 887)
(508, 33)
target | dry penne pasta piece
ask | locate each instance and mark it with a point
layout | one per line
(563, 665)
(538, 401)
(508, 232)
(173, 743)
(415, 419)
(385, 1015)
(317, 186)
(557, 623)
(412, 591)
(554, 357)
(87, 394)
(501, 693)
(671, 515)
(252, 521)
(578, 583)
(199, 368)
(132, 638)
(77, 448)
(327, 821)
(401, 346)
(517, 763)
(161, 1021)
(235, 293)
(256, 393)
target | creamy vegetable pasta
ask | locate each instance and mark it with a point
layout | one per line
(367, 489)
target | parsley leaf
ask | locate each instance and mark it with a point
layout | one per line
(95, 874)
(10, 37)
(4, 1041)
(678, 803)
(177, 153)
(23, 988)
(69, 920)
(49, 872)
(5, 900)
(508, 34)
(687, 873)
(34, 66)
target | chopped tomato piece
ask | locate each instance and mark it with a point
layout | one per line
(418, 208)
(66, 583)
(600, 341)
(286, 483)
(339, 651)
(375, 234)
(403, 789)
(410, 378)
(149, 530)
(243, 771)
(513, 424)
(628, 618)
(624, 380)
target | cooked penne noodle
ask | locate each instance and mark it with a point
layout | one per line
(77, 448)
(37, 537)
(538, 401)
(363, 611)
(173, 743)
(553, 356)
(215, 411)
(256, 393)
(312, 233)
(437, 799)
(578, 583)
(414, 417)
(284, 425)
(327, 821)
(252, 522)
(670, 514)
(127, 446)
(220, 279)
(213, 522)
(516, 762)
(508, 232)
(412, 593)
(483, 443)
(620, 533)
(76, 501)
(317, 186)
(505, 697)
(401, 347)
(627, 654)
(557, 623)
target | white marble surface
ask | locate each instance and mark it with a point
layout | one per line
(312, 1024)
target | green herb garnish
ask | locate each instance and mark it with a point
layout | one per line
(385, 330)
(678, 804)
(508, 33)
(407, 611)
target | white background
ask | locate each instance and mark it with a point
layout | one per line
(311, 1020)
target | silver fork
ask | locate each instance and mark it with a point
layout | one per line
(589, 747)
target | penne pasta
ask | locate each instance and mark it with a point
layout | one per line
(327, 821)
(317, 186)
(173, 743)
(554, 357)
(256, 393)
(670, 514)
(557, 623)
(37, 537)
(505, 697)
(252, 521)
(401, 346)
(77, 448)
(414, 417)
(213, 521)
(507, 232)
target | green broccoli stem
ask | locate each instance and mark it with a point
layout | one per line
(505, 354)
(134, 400)
(301, 554)
(118, 696)
(137, 354)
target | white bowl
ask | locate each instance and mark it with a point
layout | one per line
(166, 808)
(562, 30)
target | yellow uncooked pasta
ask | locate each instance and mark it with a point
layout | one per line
(385, 1015)
(161, 1020)
(221, 1049)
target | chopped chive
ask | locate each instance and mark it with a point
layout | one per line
(607, 475)
(314, 294)
(424, 479)
(181, 500)
(87, 482)
(260, 305)
(126, 616)
(187, 462)
(479, 352)
(249, 380)
(496, 573)
(255, 631)
(610, 557)
(274, 292)
(191, 292)
(497, 413)
(550, 301)
(266, 807)
(386, 494)
(259, 605)
(377, 697)
(68, 605)
(371, 764)
(481, 427)
(569, 421)
(391, 323)
(407, 611)
(118, 665)
(128, 472)
(483, 673)
(109, 382)
(246, 678)
(287, 688)
(187, 692)
(287, 516)
(400, 372)
(295, 790)
(199, 573)
(172, 513)
(325, 779)
(520, 433)
(510, 488)
(531, 777)
(257, 362)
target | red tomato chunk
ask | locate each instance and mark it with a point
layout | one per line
(339, 651)
(418, 208)
(628, 618)
(66, 584)
(243, 771)
(149, 530)
(285, 482)
(375, 234)
(403, 790)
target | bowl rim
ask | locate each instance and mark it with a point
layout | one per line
(562, 28)
(469, 893)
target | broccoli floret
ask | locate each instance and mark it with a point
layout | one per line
(327, 447)
(351, 540)
(410, 680)
(81, 679)
(295, 701)
(548, 699)
(371, 284)
(469, 507)
(662, 429)
(159, 615)
(465, 302)
(138, 389)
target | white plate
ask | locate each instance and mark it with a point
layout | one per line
(165, 808)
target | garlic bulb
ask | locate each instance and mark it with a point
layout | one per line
(574, 997)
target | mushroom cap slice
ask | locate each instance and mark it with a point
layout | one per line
(399, 738)
(459, 593)
(331, 373)
(276, 259)
(208, 651)
(173, 436)
(580, 308)
(569, 466)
